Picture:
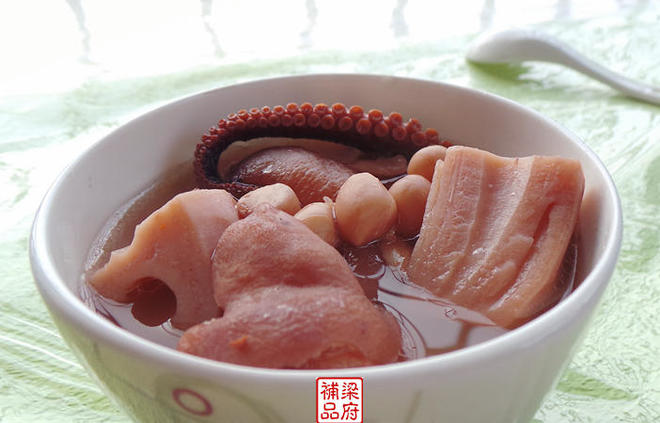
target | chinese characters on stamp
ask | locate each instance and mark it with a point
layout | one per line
(339, 400)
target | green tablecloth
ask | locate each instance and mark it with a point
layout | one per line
(44, 123)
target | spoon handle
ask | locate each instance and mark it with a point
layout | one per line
(568, 56)
(522, 45)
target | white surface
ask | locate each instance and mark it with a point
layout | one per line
(502, 380)
(49, 46)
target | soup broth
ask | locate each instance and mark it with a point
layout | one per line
(429, 325)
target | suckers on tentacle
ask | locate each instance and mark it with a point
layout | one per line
(371, 132)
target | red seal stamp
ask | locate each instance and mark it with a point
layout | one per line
(339, 400)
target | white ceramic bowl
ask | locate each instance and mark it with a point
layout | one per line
(501, 380)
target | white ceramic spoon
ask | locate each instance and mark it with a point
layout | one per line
(520, 45)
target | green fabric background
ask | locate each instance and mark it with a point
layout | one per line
(615, 375)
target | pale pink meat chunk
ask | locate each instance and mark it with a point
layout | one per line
(174, 245)
(495, 232)
(310, 175)
(270, 247)
(290, 301)
(285, 326)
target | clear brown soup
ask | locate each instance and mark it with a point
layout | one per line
(429, 325)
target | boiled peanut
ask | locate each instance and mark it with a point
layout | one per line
(423, 161)
(410, 194)
(364, 209)
(278, 195)
(319, 218)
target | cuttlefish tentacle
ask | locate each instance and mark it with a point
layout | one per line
(370, 131)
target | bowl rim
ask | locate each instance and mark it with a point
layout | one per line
(70, 308)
